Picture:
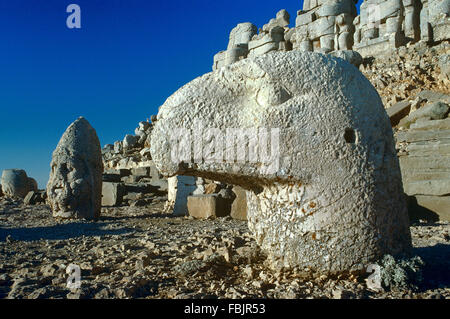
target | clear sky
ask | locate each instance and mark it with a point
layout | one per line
(126, 59)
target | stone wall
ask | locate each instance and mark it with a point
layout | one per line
(333, 25)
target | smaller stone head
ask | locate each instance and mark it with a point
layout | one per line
(74, 187)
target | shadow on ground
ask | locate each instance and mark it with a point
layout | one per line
(145, 216)
(436, 273)
(61, 231)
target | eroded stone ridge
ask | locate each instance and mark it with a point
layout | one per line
(74, 188)
(335, 203)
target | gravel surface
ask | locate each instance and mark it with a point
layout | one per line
(140, 252)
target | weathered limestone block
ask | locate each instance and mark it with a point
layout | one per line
(433, 111)
(376, 12)
(336, 7)
(112, 194)
(425, 161)
(425, 26)
(311, 4)
(327, 43)
(379, 26)
(207, 206)
(371, 33)
(398, 111)
(268, 42)
(129, 141)
(219, 60)
(16, 183)
(306, 46)
(281, 20)
(321, 26)
(118, 147)
(239, 206)
(352, 57)
(437, 204)
(344, 22)
(411, 20)
(300, 39)
(141, 171)
(330, 196)
(74, 188)
(305, 18)
(235, 54)
(344, 41)
(439, 19)
(237, 48)
(141, 136)
(200, 186)
(393, 25)
(241, 34)
(357, 33)
(34, 197)
(179, 188)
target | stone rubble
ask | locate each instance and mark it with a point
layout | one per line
(136, 253)
(149, 241)
(330, 26)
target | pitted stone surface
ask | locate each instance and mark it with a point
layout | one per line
(335, 201)
(74, 188)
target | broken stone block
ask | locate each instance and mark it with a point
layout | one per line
(398, 111)
(212, 188)
(433, 111)
(140, 171)
(129, 142)
(239, 206)
(241, 34)
(350, 56)
(336, 7)
(112, 194)
(118, 147)
(206, 206)
(33, 198)
(440, 205)
(320, 27)
(179, 188)
(305, 18)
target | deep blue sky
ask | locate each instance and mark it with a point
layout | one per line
(127, 58)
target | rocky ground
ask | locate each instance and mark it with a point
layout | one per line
(140, 252)
(404, 72)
